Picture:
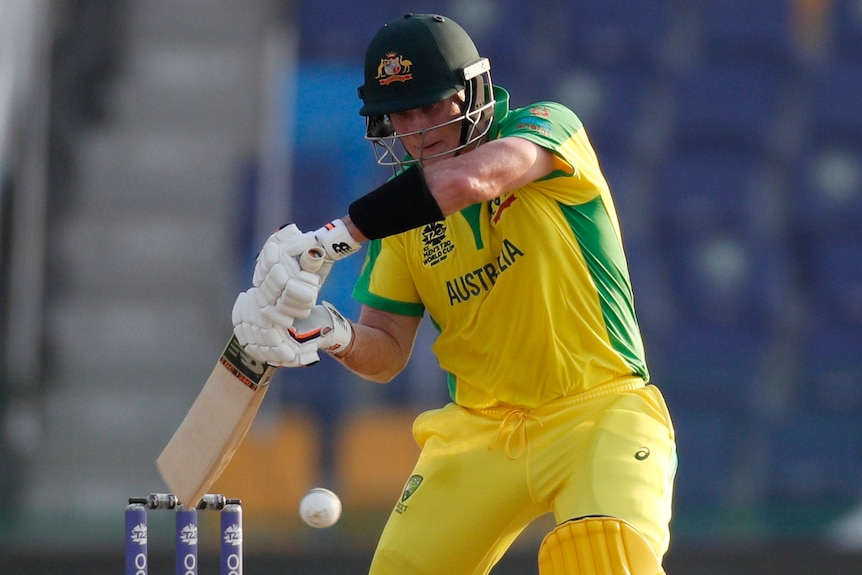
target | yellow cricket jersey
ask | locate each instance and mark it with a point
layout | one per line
(530, 291)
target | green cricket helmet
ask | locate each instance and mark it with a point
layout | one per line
(416, 61)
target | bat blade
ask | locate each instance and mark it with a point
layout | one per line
(215, 425)
(221, 416)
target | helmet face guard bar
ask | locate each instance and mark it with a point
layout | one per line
(475, 121)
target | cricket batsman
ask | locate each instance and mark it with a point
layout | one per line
(499, 225)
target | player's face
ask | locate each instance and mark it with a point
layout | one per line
(425, 131)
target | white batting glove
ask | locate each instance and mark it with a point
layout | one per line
(289, 290)
(289, 243)
(286, 282)
(263, 339)
(325, 328)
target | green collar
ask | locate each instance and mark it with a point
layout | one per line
(501, 110)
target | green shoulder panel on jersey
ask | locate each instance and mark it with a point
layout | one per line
(547, 124)
(363, 295)
(606, 262)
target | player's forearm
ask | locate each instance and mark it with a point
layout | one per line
(373, 354)
(487, 172)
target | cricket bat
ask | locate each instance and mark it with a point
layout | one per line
(220, 417)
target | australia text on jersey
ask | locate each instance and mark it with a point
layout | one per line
(483, 278)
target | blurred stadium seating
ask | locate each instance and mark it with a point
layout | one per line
(835, 101)
(846, 26)
(736, 31)
(828, 192)
(708, 446)
(727, 105)
(815, 459)
(604, 35)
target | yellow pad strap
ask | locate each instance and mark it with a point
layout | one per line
(597, 546)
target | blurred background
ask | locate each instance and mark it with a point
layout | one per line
(148, 148)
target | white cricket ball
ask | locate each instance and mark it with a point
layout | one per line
(320, 508)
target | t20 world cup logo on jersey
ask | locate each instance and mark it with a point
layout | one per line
(394, 68)
(436, 246)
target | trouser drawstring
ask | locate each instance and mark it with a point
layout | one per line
(518, 419)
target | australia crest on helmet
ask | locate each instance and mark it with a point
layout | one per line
(394, 68)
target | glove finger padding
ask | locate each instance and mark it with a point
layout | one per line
(264, 340)
(266, 258)
(280, 274)
(270, 253)
(287, 244)
(289, 292)
(252, 308)
(247, 309)
(302, 288)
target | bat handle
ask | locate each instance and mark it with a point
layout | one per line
(312, 258)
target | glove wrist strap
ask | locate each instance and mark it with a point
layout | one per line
(342, 331)
(336, 240)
